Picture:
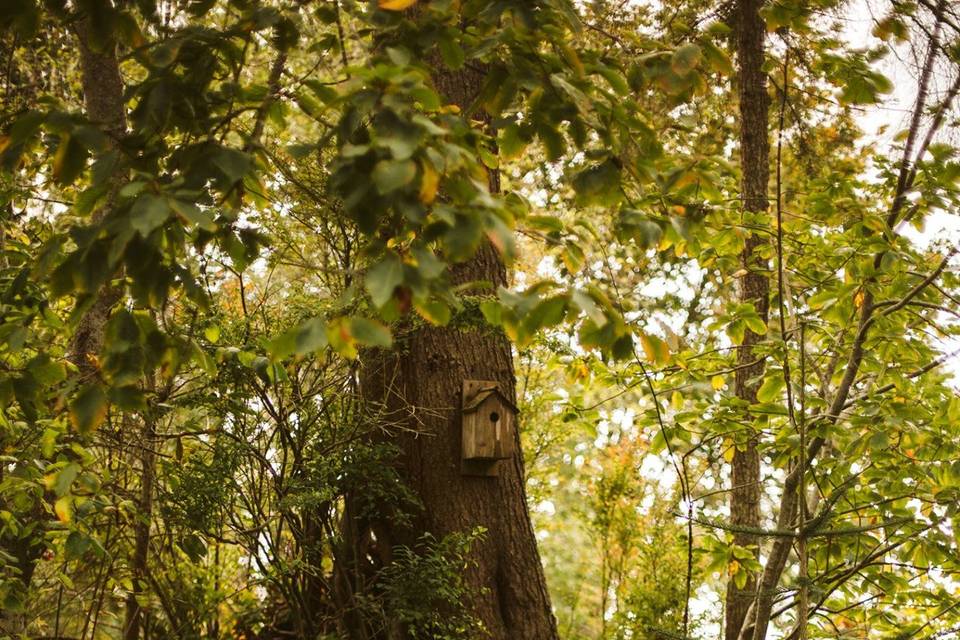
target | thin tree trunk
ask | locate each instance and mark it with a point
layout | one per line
(421, 381)
(141, 533)
(754, 289)
(759, 620)
(103, 101)
(104, 104)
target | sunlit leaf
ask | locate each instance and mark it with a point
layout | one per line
(395, 5)
(655, 349)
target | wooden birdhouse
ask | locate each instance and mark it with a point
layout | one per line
(488, 422)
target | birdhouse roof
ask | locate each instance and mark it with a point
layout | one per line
(473, 403)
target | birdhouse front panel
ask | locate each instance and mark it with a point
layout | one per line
(488, 422)
(480, 437)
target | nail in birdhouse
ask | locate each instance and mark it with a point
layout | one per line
(489, 422)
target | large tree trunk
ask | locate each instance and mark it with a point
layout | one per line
(419, 382)
(754, 289)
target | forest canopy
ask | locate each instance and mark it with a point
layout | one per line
(480, 319)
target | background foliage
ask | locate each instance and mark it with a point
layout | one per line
(290, 188)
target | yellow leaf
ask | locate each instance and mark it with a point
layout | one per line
(728, 449)
(396, 5)
(665, 243)
(64, 508)
(429, 182)
(656, 349)
(688, 178)
(858, 299)
(676, 401)
(581, 371)
(717, 382)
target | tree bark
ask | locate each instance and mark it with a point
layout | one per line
(419, 384)
(104, 105)
(141, 531)
(754, 289)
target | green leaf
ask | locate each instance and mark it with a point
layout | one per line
(193, 546)
(685, 59)
(553, 142)
(450, 51)
(717, 58)
(399, 56)
(580, 99)
(736, 330)
(370, 332)
(47, 371)
(547, 313)
(598, 185)
(203, 359)
(383, 278)
(638, 225)
(69, 161)
(615, 79)
(390, 175)
(510, 143)
(433, 311)
(771, 388)
(427, 264)
(192, 213)
(676, 401)
(64, 479)
(234, 164)
(822, 299)
(589, 306)
(310, 336)
(740, 578)
(492, 312)
(88, 409)
(148, 213)
(953, 410)
(756, 324)
(498, 92)
(76, 545)
(26, 126)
